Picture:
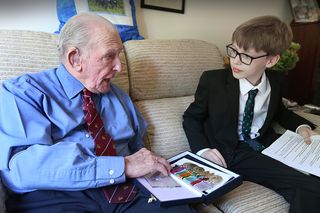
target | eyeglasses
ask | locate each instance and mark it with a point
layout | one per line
(244, 58)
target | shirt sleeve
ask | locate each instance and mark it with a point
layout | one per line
(31, 160)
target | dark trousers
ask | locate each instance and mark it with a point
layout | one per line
(91, 200)
(300, 190)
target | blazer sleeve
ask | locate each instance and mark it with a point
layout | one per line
(284, 116)
(196, 115)
(291, 120)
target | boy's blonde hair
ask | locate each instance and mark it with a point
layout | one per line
(263, 33)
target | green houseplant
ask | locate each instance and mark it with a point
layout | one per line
(288, 59)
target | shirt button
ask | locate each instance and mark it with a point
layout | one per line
(87, 135)
(112, 181)
(111, 172)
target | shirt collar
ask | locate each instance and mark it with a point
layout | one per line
(70, 84)
(246, 86)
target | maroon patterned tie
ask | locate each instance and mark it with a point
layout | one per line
(105, 146)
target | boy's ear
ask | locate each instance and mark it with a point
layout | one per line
(272, 61)
(74, 59)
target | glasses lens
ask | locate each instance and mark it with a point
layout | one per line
(245, 59)
(231, 52)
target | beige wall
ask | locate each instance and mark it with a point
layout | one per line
(209, 20)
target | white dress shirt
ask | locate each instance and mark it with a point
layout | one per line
(261, 104)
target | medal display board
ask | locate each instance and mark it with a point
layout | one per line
(193, 179)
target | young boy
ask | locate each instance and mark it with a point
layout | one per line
(230, 120)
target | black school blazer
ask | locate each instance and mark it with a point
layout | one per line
(211, 121)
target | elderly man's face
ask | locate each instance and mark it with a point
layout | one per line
(100, 63)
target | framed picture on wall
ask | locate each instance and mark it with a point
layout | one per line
(176, 6)
(305, 10)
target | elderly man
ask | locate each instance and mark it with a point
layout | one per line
(70, 139)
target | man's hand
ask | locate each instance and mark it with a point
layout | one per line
(215, 156)
(306, 132)
(145, 162)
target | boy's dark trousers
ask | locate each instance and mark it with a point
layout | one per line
(300, 190)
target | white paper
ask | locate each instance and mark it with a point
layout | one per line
(291, 150)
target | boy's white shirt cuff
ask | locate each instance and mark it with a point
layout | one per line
(200, 152)
(303, 125)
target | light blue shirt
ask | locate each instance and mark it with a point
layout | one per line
(43, 140)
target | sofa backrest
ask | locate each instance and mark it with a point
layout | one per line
(168, 68)
(23, 51)
(26, 52)
(163, 77)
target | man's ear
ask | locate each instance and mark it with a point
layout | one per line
(74, 59)
(272, 61)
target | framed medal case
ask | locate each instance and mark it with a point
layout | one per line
(197, 180)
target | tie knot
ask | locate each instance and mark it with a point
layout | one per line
(253, 93)
(87, 98)
(87, 93)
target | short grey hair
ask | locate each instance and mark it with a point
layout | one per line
(76, 33)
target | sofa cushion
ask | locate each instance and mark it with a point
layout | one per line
(165, 135)
(23, 51)
(168, 68)
(250, 198)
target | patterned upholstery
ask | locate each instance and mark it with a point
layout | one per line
(168, 68)
(26, 52)
(165, 134)
(252, 198)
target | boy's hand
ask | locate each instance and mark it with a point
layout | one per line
(306, 132)
(215, 156)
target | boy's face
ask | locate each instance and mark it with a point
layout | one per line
(254, 71)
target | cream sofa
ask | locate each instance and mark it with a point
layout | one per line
(161, 77)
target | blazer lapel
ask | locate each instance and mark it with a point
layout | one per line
(233, 90)
(274, 96)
